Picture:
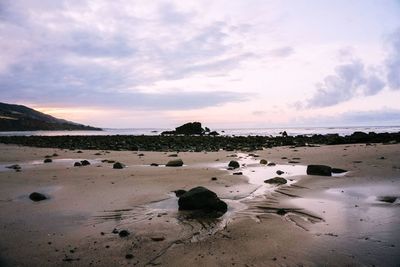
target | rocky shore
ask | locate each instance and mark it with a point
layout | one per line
(195, 143)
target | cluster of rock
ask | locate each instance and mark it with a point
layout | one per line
(196, 143)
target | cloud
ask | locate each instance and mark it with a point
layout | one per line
(354, 79)
(281, 52)
(392, 62)
(102, 52)
(384, 116)
(350, 80)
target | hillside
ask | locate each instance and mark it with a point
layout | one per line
(22, 118)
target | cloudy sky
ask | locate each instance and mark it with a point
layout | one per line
(253, 63)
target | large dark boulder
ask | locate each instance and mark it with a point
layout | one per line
(204, 200)
(321, 170)
(35, 196)
(175, 163)
(190, 128)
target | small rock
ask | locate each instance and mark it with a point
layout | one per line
(77, 164)
(234, 164)
(279, 172)
(237, 173)
(281, 212)
(387, 199)
(158, 238)
(154, 164)
(175, 163)
(48, 160)
(173, 155)
(276, 180)
(123, 233)
(264, 162)
(118, 165)
(35, 196)
(271, 164)
(128, 256)
(85, 162)
(214, 178)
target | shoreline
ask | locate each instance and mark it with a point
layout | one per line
(321, 227)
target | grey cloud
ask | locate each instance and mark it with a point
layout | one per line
(350, 80)
(353, 118)
(281, 52)
(392, 62)
(82, 62)
(354, 79)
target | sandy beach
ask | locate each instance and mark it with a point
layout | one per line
(328, 221)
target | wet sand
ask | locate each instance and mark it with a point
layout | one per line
(328, 221)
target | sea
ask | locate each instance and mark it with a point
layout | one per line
(291, 131)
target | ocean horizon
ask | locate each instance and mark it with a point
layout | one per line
(273, 131)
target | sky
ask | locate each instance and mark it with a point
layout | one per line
(225, 63)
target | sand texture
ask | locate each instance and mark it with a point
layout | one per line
(349, 219)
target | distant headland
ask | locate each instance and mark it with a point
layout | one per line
(21, 118)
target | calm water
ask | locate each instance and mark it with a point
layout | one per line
(229, 132)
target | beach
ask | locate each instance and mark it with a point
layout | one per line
(342, 220)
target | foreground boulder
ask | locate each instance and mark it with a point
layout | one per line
(321, 170)
(35, 196)
(175, 163)
(276, 180)
(204, 201)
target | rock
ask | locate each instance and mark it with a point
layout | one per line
(141, 155)
(158, 238)
(276, 180)
(179, 192)
(48, 160)
(281, 212)
(154, 164)
(190, 128)
(387, 199)
(14, 167)
(264, 162)
(85, 162)
(128, 256)
(237, 173)
(175, 163)
(279, 172)
(271, 164)
(213, 133)
(214, 178)
(200, 198)
(118, 165)
(337, 170)
(114, 231)
(173, 155)
(321, 170)
(234, 164)
(123, 233)
(35, 196)
(77, 164)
